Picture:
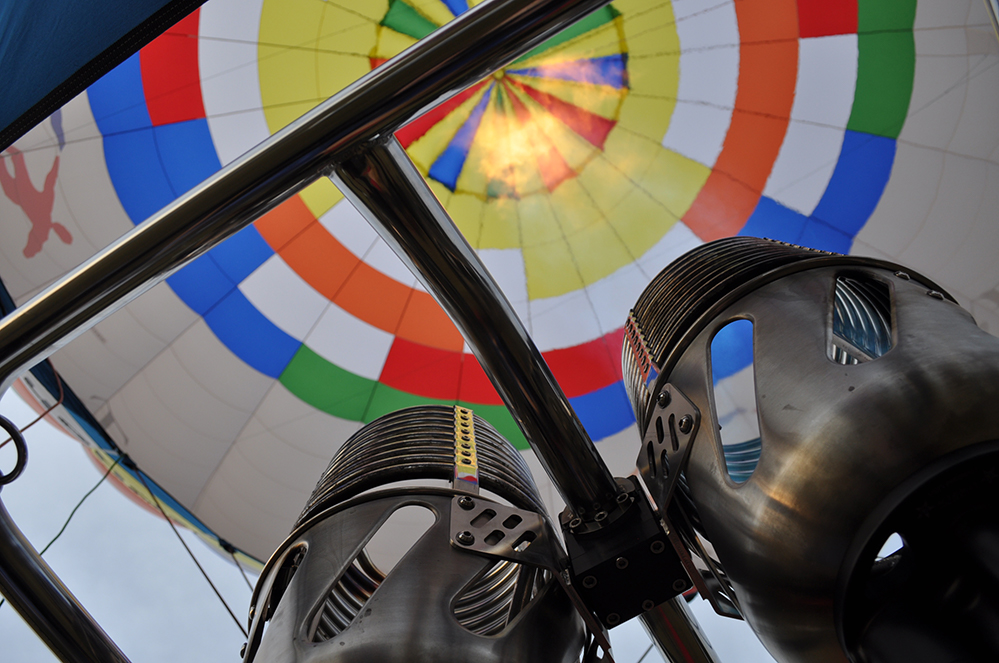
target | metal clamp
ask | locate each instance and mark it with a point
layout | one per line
(488, 528)
(666, 444)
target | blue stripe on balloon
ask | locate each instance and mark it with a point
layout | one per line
(251, 336)
(731, 349)
(138, 176)
(604, 411)
(456, 6)
(201, 284)
(242, 253)
(607, 70)
(447, 167)
(187, 153)
(772, 220)
(857, 182)
(117, 100)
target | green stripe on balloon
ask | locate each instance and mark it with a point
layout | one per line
(885, 68)
(402, 18)
(336, 391)
(591, 22)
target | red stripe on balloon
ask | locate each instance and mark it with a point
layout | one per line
(171, 80)
(821, 18)
(421, 370)
(768, 70)
(590, 126)
(474, 386)
(553, 168)
(415, 130)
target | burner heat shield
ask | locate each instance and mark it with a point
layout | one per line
(473, 578)
(873, 417)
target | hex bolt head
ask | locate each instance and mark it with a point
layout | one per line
(935, 294)
(648, 604)
(466, 502)
(613, 619)
(679, 585)
(663, 398)
(657, 547)
(575, 522)
(601, 515)
(686, 424)
(589, 582)
(621, 562)
(465, 538)
(622, 498)
(902, 275)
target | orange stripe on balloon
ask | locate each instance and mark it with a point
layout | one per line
(322, 261)
(425, 322)
(284, 222)
(373, 297)
(768, 70)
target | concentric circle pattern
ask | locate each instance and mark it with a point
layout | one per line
(577, 172)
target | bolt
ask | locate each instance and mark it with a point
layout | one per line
(663, 398)
(253, 611)
(242, 650)
(657, 547)
(613, 619)
(623, 498)
(647, 605)
(466, 502)
(621, 562)
(589, 582)
(935, 294)
(902, 275)
(575, 522)
(465, 538)
(679, 585)
(686, 424)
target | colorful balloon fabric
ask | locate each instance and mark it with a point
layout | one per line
(577, 172)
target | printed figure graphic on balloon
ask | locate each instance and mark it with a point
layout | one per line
(37, 204)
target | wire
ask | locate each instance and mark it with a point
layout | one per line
(193, 558)
(645, 654)
(73, 512)
(241, 571)
(43, 414)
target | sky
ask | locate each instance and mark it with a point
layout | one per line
(128, 569)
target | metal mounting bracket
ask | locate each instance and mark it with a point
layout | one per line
(667, 442)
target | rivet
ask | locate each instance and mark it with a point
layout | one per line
(647, 605)
(465, 538)
(466, 502)
(613, 619)
(621, 562)
(589, 582)
(657, 547)
(686, 424)
(679, 585)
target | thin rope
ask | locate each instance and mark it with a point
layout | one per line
(195, 559)
(43, 414)
(645, 654)
(241, 571)
(73, 513)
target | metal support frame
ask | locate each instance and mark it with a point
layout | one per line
(349, 135)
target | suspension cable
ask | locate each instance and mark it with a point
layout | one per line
(195, 559)
(62, 394)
